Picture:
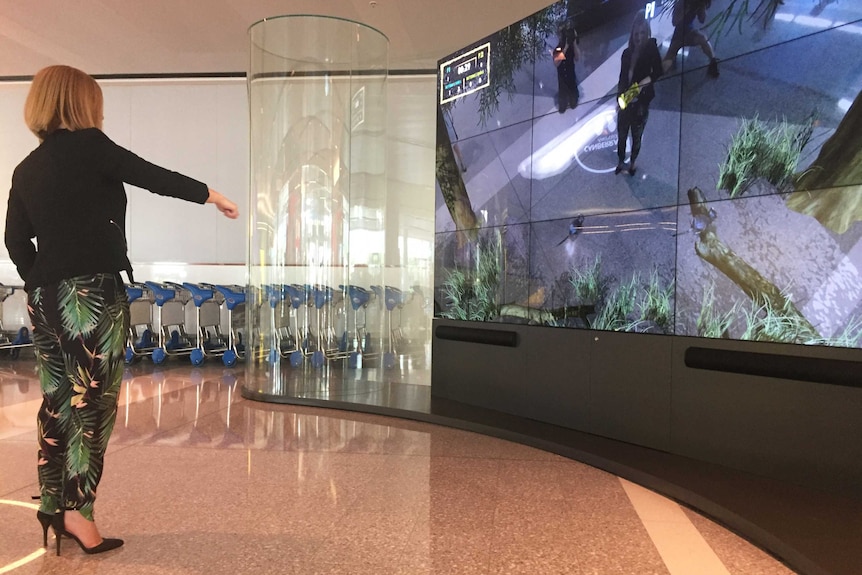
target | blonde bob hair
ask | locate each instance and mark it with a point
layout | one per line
(640, 24)
(62, 96)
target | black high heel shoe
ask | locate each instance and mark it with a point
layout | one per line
(58, 522)
(45, 520)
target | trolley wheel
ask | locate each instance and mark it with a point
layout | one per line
(296, 358)
(273, 356)
(159, 356)
(130, 356)
(229, 358)
(389, 360)
(353, 360)
(197, 357)
(317, 359)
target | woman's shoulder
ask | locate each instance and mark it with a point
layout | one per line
(64, 142)
(69, 143)
(91, 134)
(93, 139)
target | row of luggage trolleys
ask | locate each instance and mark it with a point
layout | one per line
(328, 331)
(157, 328)
(314, 337)
(158, 313)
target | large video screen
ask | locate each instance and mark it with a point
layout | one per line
(679, 167)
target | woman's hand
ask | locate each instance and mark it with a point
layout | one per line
(224, 205)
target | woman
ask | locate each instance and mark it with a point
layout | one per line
(565, 55)
(68, 194)
(639, 68)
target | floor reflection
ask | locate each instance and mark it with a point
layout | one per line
(201, 480)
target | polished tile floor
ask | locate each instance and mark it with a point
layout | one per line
(200, 480)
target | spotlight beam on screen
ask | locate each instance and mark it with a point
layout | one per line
(556, 156)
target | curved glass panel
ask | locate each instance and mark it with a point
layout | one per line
(317, 101)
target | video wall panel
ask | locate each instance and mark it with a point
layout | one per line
(732, 209)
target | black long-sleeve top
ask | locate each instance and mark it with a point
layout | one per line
(69, 195)
(648, 64)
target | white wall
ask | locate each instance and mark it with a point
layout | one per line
(200, 128)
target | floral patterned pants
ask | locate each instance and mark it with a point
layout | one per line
(79, 330)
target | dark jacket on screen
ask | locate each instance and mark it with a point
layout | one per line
(69, 195)
(648, 64)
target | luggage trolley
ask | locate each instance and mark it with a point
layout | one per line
(328, 345)
(337, 324)
(298, 340)
(284, 341)
(394, 298)
(400, 342)
(170, 300)
(13, 340)
(139, 340)
(234, 299)
(209, 341)
(359, 344)
(273, 294)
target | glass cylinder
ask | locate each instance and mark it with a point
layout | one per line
(317, 103)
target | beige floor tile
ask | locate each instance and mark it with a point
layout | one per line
(738, 555)
(681, 546)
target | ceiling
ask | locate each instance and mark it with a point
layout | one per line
(128, 37)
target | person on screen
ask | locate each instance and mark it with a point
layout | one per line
(685, 34)
(565, 54)
(640, 67)
(68, 194)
